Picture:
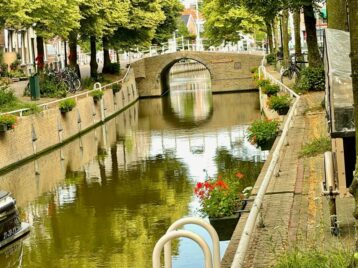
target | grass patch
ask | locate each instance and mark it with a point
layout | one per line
(316, 147)
(309, 258)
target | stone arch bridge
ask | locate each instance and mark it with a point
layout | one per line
(229, 71)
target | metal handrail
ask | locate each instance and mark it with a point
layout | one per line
(176, 234)
(46, 105)
(241, 251)
(198, 221)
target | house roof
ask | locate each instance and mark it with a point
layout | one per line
(191, 12)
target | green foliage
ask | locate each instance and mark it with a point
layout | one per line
(67, 105)
(87, 83)
(165, 29)
(263, 83)
(317, 258)
(315, 147)
(52, 88)
(263, 132)
(312, 79)
(8, 119)
(97, 94)
(270, 89)
(224, 21)
(6, 95)
(280, 104)
(271, 59)
(114, 68)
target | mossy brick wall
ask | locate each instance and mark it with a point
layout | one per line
(36, 133)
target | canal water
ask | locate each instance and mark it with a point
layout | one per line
(104, 199)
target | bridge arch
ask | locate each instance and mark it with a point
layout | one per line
(164, 74)
(228, 71)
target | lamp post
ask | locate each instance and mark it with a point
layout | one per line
(198, 40)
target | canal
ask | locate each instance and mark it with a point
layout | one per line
(104, 199)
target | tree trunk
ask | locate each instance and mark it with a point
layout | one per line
(277, 42)
(314, 58)
(93, 62)
(106, 58)
(286, 51)
(337, 15)
(297, 22)
(269, 36)
(40, 53)
(353, 26)
(72, 43)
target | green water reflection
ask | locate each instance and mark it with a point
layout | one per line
(104, 199)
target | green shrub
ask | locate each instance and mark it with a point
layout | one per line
(315, 147)
(262, 131)
(97, 94)
(67, 105)
(280, 104)
(271, 59)
(312, 79)
(6, 95)
(52, 89)
(309, 258)
(8, 119)
(87, 82)
(114, 68)
(270, 90)
(263, 82)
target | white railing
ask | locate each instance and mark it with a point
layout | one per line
(176, 234)
(250, 224)
(198, 221)
(47, 105)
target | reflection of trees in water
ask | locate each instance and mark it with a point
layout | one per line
(116, 222)
(228, 165)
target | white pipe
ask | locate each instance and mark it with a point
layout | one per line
(198, 221)
(176, 234)
(240, 253)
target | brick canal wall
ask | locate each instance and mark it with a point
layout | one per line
(38, 133)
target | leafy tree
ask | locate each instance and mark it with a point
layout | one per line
(224, 21)
(14, 13)
(171, 10)
(144, 18)
(52, 18)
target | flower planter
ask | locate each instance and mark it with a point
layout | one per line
(225, 226)
(3, 127)
(266, 145)
(65, 110)
(283, 111)
(96, 98)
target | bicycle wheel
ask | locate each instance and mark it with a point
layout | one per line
(76, 84)
(285, 73)
(290, 74)
(69, 85)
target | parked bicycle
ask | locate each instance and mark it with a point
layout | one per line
(293, 70)
(67, 76)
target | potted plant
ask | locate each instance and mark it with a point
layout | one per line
(97, 95)
(270, 89)
(116, 88)
(221, 199)
(67, 105)
(281, 104)
(263, 133)
(263, 82)
(7, 121)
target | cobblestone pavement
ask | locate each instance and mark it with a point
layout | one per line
(294, 213)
